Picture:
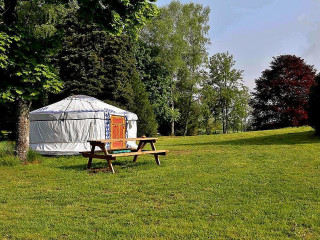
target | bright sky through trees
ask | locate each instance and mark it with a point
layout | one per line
(256, 30)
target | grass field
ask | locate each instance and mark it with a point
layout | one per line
(256, 185)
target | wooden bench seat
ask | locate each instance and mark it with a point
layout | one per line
(143, 152)
(113, 155)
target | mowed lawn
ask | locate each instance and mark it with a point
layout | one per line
(255, 185)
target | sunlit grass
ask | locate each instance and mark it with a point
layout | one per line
(256, 185)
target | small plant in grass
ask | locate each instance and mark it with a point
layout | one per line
(33, 157)
(7, 157)
(6, 149)
(9, 161)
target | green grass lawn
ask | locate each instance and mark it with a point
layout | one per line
(256, 185)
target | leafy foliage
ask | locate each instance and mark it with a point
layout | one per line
(209, 107)
(226, 91)
(147, 124)
(115, 16)
(5, 43)
(118, 16)
(27, 78)
(156, 79)
(24, 63)
(282, 93)
(178, 37)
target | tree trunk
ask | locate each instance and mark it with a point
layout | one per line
(172, 122)
(23, 129)
(226, 119)
(187, 118)
(207, 127)
(223, 121)
(172, 128)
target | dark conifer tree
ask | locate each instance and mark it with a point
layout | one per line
(314, 103)
(97, 64)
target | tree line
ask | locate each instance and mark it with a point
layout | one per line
(148, 60)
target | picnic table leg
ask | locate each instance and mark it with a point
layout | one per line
(140, 147)
(103, 148)
(90, 158)
(156, 157)
(110, 166)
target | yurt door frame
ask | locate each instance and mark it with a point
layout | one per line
(118, 130)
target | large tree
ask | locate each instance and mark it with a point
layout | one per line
(209, 106)
(281, 94)
(195, 28)
(28, 35)
(25, 71)
(231, 95)
(102, 65)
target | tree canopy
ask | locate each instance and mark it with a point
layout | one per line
(115, 16)
(228, 96)
(27, 37)
(281, 94)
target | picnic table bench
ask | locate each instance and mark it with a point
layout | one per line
(112, 154)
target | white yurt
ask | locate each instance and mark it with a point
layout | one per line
(64, 128)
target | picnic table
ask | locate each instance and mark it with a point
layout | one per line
(113, 153)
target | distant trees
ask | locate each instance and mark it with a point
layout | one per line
(177, 38)
(224, 97)
(282, 93)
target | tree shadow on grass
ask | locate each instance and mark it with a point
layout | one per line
(103, 165)
(278, 139)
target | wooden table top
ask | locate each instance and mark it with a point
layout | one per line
(123, 139)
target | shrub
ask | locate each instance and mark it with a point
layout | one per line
(7, 157)
(33, 156)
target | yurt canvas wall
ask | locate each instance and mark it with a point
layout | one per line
(63, 128)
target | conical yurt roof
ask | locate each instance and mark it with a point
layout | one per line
(79, 107)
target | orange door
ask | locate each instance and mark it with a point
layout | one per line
(118, 130)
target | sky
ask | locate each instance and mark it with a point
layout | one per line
(255, 31)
